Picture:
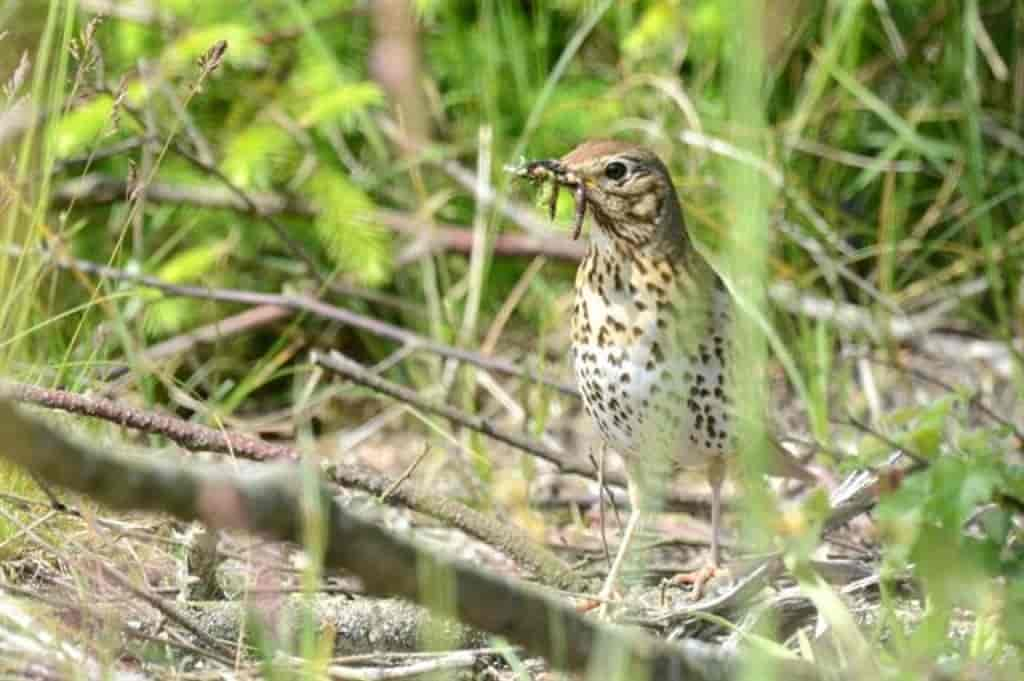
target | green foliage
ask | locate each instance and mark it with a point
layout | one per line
(347, 227)
(260, 156)
(659, 28)
(245, 50)
(84, 126)
(165, 316)
(341, 105)
(950, 527)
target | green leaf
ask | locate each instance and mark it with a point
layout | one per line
(850, 642)
(170, 316)
(927, 435)
(164, 315)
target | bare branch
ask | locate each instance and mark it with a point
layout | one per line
(100, 188)
(191, 436)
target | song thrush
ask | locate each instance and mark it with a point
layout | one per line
(651, 328)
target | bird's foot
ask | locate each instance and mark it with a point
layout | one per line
(699, 579)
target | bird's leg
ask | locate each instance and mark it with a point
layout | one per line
(716, 475)
(632, 525)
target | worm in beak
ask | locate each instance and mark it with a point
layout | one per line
(559, 176)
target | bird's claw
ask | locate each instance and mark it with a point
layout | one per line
(603, 603)
(698, 579)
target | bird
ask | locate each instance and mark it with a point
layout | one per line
(652, 337)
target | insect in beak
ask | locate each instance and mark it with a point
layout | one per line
(580, 195)
(559, 176)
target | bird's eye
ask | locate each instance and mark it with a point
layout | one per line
(615, 170)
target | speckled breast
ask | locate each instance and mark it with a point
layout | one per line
(652, 362)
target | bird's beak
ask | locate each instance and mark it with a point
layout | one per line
(547, 170)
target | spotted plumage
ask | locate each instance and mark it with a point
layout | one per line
(644, 350)
(651, 320)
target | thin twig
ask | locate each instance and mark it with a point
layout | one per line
(868, 430)
(406, 474)
(170, 612)
(340, 364)
(459, 659)
(973, 400)
(99, 188)
(191, 436)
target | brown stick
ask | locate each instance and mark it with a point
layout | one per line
(548, 568)
(454, 238)
(191, 436)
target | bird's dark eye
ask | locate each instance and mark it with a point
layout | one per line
(615, 170)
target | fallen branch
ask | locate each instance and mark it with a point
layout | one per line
(507, 538)
(275, 504)
(390, 625)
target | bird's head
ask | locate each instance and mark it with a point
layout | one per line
(625, 187)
